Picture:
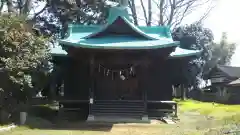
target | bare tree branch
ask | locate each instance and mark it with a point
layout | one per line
(184, 13)
(132, 6)
(206, 14)
(27, 6)
(144, 12)
(173, 7)
(161, 9)
(149, 13)
(41, 11)
(173, 12)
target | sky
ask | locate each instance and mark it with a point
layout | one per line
(224, 18)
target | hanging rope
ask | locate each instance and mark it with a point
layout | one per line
(122, 73)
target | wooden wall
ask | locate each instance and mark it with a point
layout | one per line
(76, 80)
(152, 72)
(157, 81)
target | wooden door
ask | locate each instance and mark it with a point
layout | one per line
(116, 89)
(128, 89)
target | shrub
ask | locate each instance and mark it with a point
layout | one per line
(22, 52)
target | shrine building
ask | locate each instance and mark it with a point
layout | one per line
(119, 69)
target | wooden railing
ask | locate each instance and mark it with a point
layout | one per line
(174, 109)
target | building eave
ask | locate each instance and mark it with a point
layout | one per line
(118, 46)
(182, 53)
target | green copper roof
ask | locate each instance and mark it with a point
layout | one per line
(80, 31)
(119, 42)
(179, 52)
(121, 33)
(111, 37)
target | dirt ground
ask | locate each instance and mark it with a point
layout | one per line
(191, 123)
(195, 118)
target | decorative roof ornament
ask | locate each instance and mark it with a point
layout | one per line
(111, 3)
(123, 3)
(120, 10)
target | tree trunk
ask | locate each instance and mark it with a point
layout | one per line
(132, 6)
(27, 6)
(1, 6)
(4, 116)
(161, 14)
(10, 6)
(149, 23)
(144, 12)
(183, 92)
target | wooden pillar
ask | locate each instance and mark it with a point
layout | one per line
(183, 81)
(91, 89)
(53, 83)
(145, 115)
(183, 92)
(144, 90)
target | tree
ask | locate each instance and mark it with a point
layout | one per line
(223, 50)
(17, 6)
(56, 14)
(168, 12)
(22, 53)
(82, 12)
(221, 54)
(195, 37)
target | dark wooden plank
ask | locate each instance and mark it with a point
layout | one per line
(73, 101)
(130, 101)
(165, 102)
(70, 109)
(161, 110)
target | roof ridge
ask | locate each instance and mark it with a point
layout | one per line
(131, 25)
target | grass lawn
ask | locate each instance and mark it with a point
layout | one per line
(226, 113)
(206, 108)
(193, 121)
(2, 126)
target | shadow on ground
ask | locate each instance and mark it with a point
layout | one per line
(42, 117)
(81, 126)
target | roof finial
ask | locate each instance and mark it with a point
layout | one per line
(123, 3)
(120, 10)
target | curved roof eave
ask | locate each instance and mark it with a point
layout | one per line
(58, 54)
(90, 46)
(187, 53)
(57, 50)
(136, 29)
